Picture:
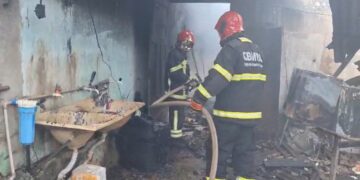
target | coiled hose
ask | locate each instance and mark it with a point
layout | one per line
(214, 142)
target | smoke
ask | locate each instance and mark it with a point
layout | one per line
(201, 18)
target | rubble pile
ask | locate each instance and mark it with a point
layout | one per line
(303, 155)
(281, 162)
(320, 119)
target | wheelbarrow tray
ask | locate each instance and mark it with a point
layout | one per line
(85, 116)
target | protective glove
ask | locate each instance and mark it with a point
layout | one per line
(195, 106)
(192, 84)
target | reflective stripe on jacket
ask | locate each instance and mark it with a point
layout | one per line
(237, 80)
(178, 72)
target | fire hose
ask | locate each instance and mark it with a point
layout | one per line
(213, 134)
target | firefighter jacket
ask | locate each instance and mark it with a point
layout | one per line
(237, 80)
(178, 72)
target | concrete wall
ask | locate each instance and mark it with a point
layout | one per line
(10, 73)
(36, 54)
(62, 48)
(307, 30)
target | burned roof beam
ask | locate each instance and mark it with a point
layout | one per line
(346, 26)
(295, 163)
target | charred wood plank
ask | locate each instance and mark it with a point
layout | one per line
(288, 163)
(338, 135)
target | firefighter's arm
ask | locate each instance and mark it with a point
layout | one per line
(219, 77)
(179, 76)
(175, 68)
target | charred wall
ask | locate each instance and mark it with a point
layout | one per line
(36, 54)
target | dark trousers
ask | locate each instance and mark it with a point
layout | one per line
(236, 141)
(176, 118)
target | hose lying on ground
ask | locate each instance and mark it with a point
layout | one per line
(214, 142)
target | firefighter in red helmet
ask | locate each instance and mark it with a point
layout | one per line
(178, 73)
(237, 80)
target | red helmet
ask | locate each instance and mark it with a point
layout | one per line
(229, 23)
(186, 40)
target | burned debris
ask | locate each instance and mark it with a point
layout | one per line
(318, 119)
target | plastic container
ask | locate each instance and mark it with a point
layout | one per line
(26, 124)
(89, 172)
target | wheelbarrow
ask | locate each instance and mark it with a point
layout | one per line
(74, 125)
(77, 123)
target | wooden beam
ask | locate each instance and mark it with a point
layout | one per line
(288, 163)
(335, 158)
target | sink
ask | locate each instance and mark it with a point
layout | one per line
(77, 123)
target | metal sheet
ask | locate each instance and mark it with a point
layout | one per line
(325, 102)
(313, 99)
(349, 112)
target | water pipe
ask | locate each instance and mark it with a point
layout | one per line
(91, 151)
(8, 140)
(71, 164)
